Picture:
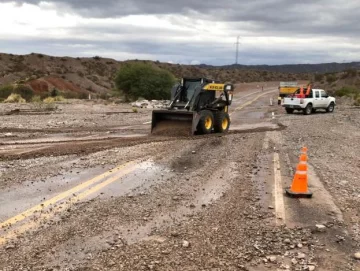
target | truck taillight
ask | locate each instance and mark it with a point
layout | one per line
(302, 101)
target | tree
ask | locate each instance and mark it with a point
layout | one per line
(5, 91)
(136, 80)
(25, 91)
(54, 92)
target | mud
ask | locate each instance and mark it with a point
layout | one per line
(173, 128)
(186, 202)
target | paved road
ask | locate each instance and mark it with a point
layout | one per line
(147, 206)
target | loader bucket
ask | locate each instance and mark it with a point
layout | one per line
(174, 123)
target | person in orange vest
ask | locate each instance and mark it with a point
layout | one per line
(308, 91)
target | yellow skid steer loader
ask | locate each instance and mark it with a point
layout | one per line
(198, 106)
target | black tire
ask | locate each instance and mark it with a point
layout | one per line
(289, 110)
(222, 122)
(206, 122)
(308, 109)
(330, 108)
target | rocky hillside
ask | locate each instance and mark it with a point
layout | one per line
(80, 76)
(335, 81)
(343, 84)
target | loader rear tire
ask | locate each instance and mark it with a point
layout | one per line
(222, 122)
(206, 122)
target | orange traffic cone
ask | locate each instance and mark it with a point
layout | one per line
(299, 187)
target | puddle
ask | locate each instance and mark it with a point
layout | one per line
(255, 115)
(19, 198)
(63, 139)
(16, 199)
(138, 181)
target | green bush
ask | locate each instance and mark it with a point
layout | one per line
(351, 73)
(140, 79)
(347, 91)
(55, 92)
(5, 91)
(83, 96)
(24, 91)
(331, 78)
(318, 77)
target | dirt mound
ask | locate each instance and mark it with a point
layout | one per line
(47, 84)
(39, 86)
(61, 84)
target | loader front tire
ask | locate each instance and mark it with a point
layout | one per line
(206, 122)
(222, 122)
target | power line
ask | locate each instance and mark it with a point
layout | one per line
(237, 49)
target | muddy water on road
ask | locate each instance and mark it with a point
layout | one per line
(19, 198)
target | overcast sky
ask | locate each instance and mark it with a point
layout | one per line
(185, 31)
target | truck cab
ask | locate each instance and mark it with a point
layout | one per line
(313, 100)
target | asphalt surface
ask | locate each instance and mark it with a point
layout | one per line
(112, 197)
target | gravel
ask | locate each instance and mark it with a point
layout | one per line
(198, 206)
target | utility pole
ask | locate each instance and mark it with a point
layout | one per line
(237, 49)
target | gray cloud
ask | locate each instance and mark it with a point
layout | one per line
(172, 51)
(329, 30)
(276, 16)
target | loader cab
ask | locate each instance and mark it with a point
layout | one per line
(185, 94)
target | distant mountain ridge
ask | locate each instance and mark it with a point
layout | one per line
(294, 68)
(79, 77)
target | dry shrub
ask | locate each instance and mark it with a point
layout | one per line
(50, 100)
(15, 98)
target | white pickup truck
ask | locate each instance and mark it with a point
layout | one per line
(317, 99)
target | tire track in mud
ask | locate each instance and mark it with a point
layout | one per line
(88, 146)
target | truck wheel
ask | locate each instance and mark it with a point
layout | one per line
(330, 108)
(289, 110)
(206, 122)
(222, 122)
(308, 109)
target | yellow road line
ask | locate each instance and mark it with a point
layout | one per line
(47, 216)
(252, 101)
(61, 196)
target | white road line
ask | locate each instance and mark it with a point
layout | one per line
(278, 193)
